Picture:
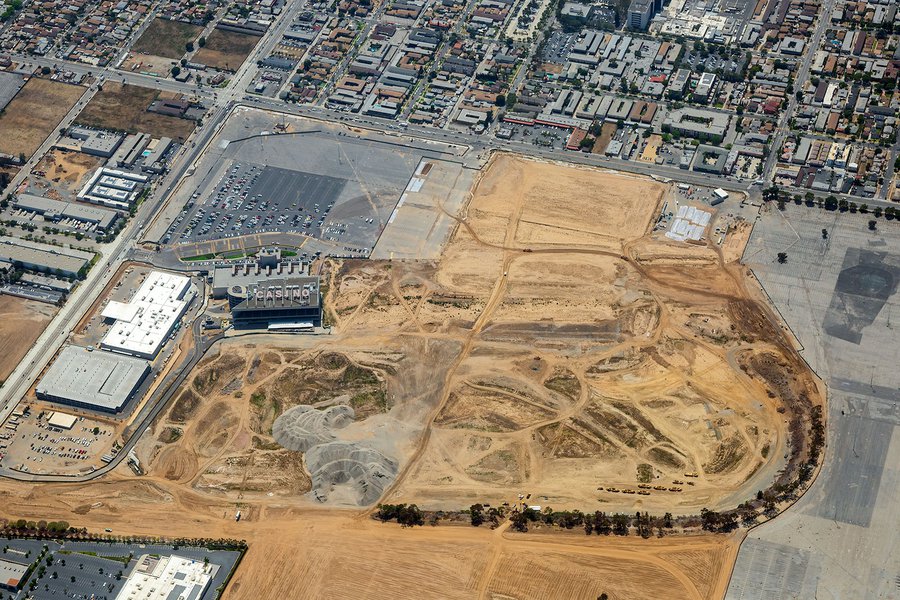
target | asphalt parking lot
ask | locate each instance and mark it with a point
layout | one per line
(264, 174)
(86, 570)
(252, 198)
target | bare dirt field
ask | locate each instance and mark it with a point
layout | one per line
(320, 553)
(166, 38)
(226, 50)
(63, 171)
(123, 107)
(558, 348)
(21, 322)
(34, 113)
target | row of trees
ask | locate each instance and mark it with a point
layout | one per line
(774, 194)
(407, 515)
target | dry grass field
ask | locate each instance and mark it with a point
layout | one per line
(21, 322)
(226, 50)
(123, 107)
(34, 114)
(166, 38)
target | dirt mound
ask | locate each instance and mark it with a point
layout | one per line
(302, 427)
(366, 471)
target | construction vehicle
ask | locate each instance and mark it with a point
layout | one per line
(691, 475)
(644, 493)
(627, 491)
(613, 490)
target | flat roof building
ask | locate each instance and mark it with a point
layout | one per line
(698, 123)
(36, 256)
(167, 578)
(143, 324)
(54, 210)
(91, 141)
(639, 13)
(12, 575)
(110, 187)
(95, 380)
(292, 299)
(267, 266)
(705, 85)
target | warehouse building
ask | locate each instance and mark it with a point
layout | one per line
(142, 325)
(288, 301)
(94, 380)
(57, 210)
(130, 150)
(35, 256)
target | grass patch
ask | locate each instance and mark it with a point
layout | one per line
(170, 435)
(198, 257)
(166, 38)
(258, 399)
(354, 375)
(644, 473)
(371, 399)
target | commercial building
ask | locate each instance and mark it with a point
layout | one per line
(142, 325)
(94, 380)
(61, 420)
(36, 256)
(155, 161)
(268, 265)
(293, 300)
(110, 187)
(12, 575)
(704, 86)
(639, 13)
(48, 283)
(130, 150)
(710, 159)
(167, 578)
(698, 123)
(90, 141)
(57, 210)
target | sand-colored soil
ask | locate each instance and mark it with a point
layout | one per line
(34, 114)
(557, 347)
(62, 170)
(322, 553)
(21, 322)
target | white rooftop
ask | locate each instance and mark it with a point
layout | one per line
(167, 578)
(144, 323)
